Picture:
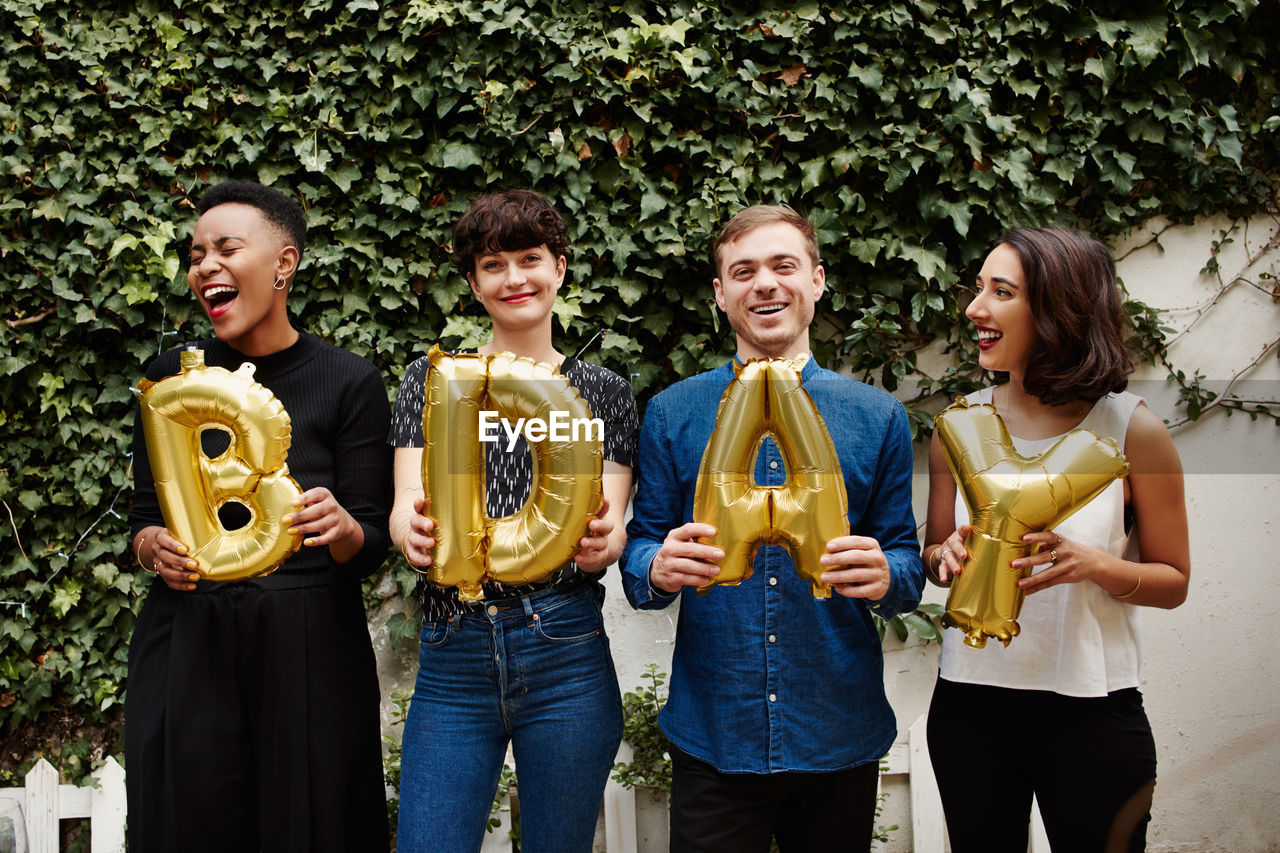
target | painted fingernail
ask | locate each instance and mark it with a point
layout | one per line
(193, 577)
(293, 532)
(191, 564)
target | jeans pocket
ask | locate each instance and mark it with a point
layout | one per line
(574, 621)
(434, 635)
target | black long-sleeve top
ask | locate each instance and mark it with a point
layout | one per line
(337, 404)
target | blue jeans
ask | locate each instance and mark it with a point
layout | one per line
(533, 671)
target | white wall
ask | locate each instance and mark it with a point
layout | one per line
(1210, 679)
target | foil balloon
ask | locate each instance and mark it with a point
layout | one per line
(453, 471)
(191, 487)
(565, 446)
(1007, 496)
(765, 399)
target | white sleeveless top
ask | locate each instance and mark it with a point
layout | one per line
(1076, 639)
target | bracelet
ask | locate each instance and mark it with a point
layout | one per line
(138, 554)
(1130, 592)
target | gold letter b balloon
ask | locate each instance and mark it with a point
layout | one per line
(541, 536)
(811, 508)
(191, 487)
(1008, 496)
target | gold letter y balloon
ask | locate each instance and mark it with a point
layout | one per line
(1008, 496)
(811, 508)
(191, 487)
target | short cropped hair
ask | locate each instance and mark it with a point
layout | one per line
(280, 210)
(506, 222)
(755, 216)
(1081, 349)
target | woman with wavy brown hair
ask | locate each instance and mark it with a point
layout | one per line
(1057, 713)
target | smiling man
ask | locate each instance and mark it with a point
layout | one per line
(777, 712)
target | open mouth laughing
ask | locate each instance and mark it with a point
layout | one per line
(987, 338)
(219, 298)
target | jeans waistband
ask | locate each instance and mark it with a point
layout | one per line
(525, 606)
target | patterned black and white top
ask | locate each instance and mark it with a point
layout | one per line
(509, 475)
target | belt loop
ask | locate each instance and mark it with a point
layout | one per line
(528, 609)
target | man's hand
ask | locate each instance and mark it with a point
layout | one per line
(859, 569)
(682, 562)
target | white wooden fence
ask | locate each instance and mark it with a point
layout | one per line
(43, 803)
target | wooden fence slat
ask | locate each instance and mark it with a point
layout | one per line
(41, 811)
(109, 809)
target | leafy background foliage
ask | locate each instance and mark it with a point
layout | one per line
(912, 132)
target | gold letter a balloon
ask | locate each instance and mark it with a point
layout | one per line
(191, 487)
(1008, 496)
(811, 508)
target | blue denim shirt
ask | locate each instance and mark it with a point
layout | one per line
(766, 678)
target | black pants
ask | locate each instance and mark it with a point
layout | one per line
(252, 722)
(715, 812)
(1090, 762)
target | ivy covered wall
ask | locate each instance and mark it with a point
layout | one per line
(912, 132)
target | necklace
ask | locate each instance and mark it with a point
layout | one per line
(1073, 412)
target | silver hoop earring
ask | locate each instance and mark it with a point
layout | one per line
(280, 283)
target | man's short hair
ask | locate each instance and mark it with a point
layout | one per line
(765, 214)
(281, 211)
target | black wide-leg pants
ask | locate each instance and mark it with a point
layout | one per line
(252, 720)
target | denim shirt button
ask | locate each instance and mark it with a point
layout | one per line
(773, 581)
(774, 464)
(773, 697)
(773, 638)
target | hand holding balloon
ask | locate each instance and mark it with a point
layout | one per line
(594, 552)
(1059, 561)
(418, 542)
(167, 557)
(947, 563)
(856, 567)
(683, 561)
(323, 521)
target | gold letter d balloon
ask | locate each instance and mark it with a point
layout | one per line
(191, 487)
(542, 535)
(1008, 496)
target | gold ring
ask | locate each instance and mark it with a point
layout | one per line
(1053, 557)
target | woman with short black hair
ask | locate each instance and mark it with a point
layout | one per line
(252, 719)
